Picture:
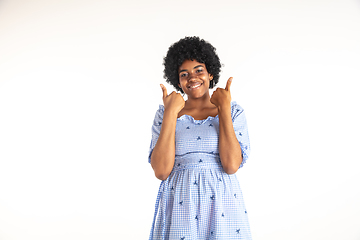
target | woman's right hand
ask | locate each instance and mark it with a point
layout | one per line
(173, 102)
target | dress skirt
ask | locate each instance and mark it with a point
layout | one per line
(200, 201)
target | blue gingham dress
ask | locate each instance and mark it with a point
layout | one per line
(199, 200)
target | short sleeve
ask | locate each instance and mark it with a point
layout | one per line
(155, 129)
(241, 130)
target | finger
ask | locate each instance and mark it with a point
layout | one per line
(163, 88)
(228, 84)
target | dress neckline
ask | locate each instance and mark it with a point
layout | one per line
(191, 118)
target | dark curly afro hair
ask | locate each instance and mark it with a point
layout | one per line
(191, 48)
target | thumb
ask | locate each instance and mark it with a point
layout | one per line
(228, 84)
(163, 88)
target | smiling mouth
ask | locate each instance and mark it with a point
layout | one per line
(195, 86)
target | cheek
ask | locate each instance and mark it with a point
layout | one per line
(182, 85)
(206, 80)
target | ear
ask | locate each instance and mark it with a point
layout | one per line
(211, 83)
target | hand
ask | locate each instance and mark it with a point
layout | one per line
(174, 101)
(222, 97)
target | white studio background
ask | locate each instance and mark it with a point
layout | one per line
(79, 87)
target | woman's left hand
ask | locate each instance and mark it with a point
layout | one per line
(221, 97)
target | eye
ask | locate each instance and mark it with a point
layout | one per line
(183, 75)
(199, 70)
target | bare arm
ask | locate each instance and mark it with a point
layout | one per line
(163, 154)
(229, 147)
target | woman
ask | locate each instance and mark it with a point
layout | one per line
(197, 146)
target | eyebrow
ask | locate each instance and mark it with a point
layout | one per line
(184, 70)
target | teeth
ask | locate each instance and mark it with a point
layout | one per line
(195, 86)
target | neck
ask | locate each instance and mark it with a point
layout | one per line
(199, 103)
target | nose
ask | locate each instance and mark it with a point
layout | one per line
(192, 77)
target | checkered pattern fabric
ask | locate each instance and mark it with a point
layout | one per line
(199, 200)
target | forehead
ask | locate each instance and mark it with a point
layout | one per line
(190, 64)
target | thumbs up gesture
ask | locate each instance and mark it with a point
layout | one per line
(173, 102)
(222, 97)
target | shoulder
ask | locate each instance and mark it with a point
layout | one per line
(161, 108)
(160, 112)
(235, 105)
(236, 109)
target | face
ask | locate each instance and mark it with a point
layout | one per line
(194, 78)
